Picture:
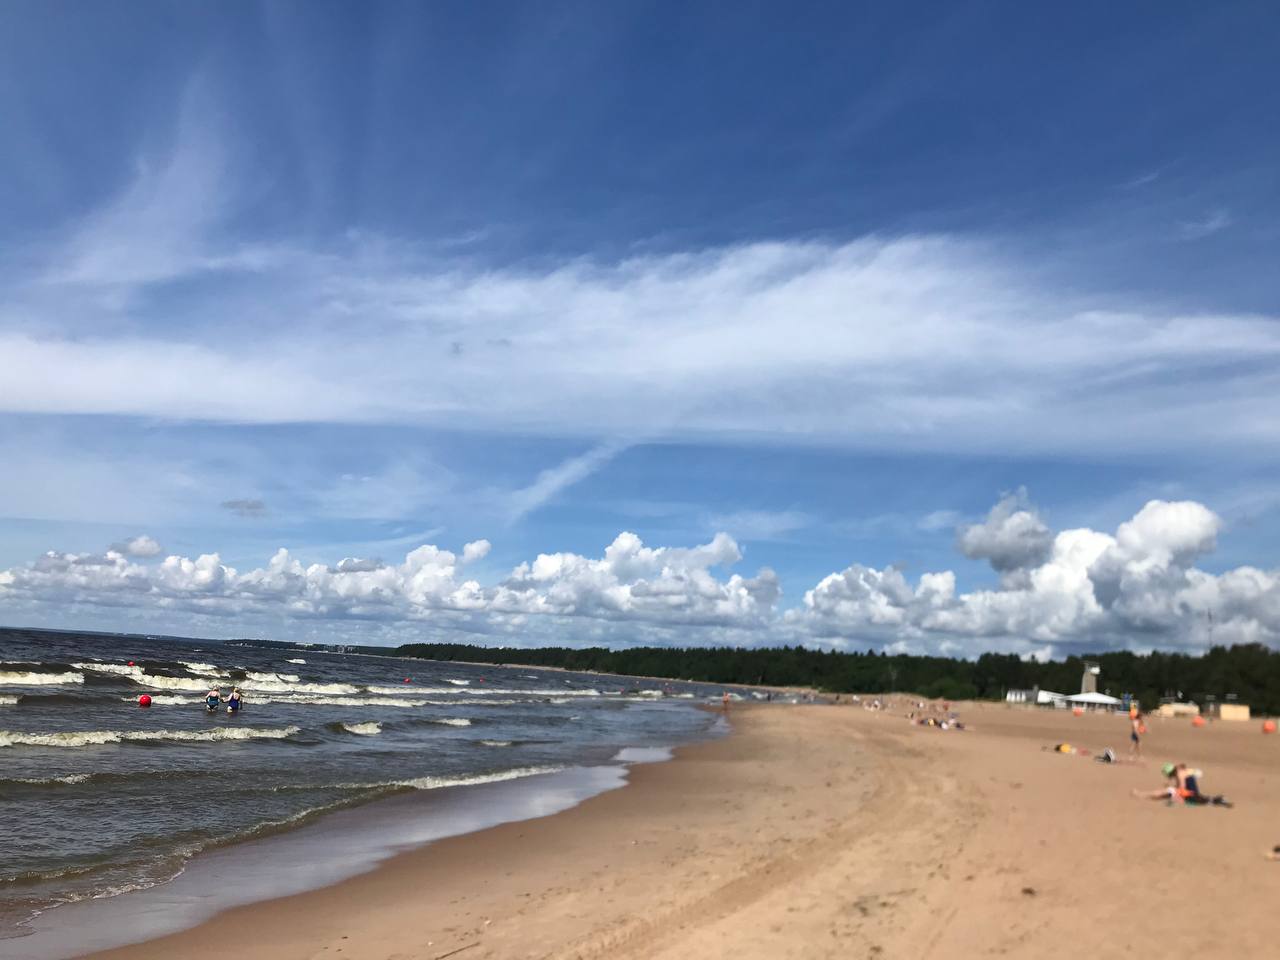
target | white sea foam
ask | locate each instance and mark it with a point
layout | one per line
(122, 669)
(290, 686)
(458, 683)
(295, 661)
(85, 738)
(7, 699)
(496, 743)
(25, 678)
(43, 781)
(254, 676)
(310, 699)
(268, 686)
(437, 783)
(480, 691)
(368, 729)
(165, 699)
(454, 721)
(208, 669)
(171, 683)
(500, 691)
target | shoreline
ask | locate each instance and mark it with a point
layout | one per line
(820, 831)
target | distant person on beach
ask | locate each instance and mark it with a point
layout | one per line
(725, 701)
(212, 699)
(1184, 787)
(1136, 729)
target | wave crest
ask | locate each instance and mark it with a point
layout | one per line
(87, 738)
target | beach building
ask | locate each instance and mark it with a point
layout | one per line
(1094, 701)
(1036, 696)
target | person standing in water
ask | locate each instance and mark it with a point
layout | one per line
(212, 699)
(235, 700)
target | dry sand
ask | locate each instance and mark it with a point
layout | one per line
(817, 831)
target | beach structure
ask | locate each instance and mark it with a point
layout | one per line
(1229, 710)
(1093, 701)
(1036, 697)
(1173, 708)
(1089, 680)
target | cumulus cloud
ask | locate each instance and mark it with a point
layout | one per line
(632, 581)
(1135, 588)
(1013, 537)
(643, 585)
(140, 546)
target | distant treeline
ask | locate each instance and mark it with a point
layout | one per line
(1250, 672)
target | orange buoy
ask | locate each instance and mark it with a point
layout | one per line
(1077, 712)
(1197, 721)
(144, 700)
(1268, 726)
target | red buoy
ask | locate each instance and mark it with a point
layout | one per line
(131, 663)
(144, 700)
(406, 679)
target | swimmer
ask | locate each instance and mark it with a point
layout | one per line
(235, 700)
(212, 699)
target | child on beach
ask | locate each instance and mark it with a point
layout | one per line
(1136, 729)
(1184, 788)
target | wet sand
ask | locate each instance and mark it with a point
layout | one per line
(816, 831)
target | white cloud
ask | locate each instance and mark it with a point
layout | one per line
(917, 342)
(140, 546)
(760, 524)
(550, 482)
(1212, 222)
(631, 582)
(1136, 588)
(1012, 538)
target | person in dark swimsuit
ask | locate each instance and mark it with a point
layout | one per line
(234, 700)
(212, 699)
(1184, 788)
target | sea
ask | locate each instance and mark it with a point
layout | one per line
(101, 798)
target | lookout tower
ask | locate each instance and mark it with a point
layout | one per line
(1089, 680)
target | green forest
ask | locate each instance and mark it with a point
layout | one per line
(1248, 673)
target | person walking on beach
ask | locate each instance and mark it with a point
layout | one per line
(1136, 729)
(725, 701)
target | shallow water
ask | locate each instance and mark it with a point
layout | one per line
(100, 797)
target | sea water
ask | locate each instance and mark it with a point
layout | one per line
(100, 797)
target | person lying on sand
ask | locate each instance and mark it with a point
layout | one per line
(1184, 787)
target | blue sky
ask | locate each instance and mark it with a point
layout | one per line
(880, 294)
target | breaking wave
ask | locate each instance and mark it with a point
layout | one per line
(86, 738)
(29, 678)
(369, 729)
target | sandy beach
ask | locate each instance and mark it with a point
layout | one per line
(818, 831)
